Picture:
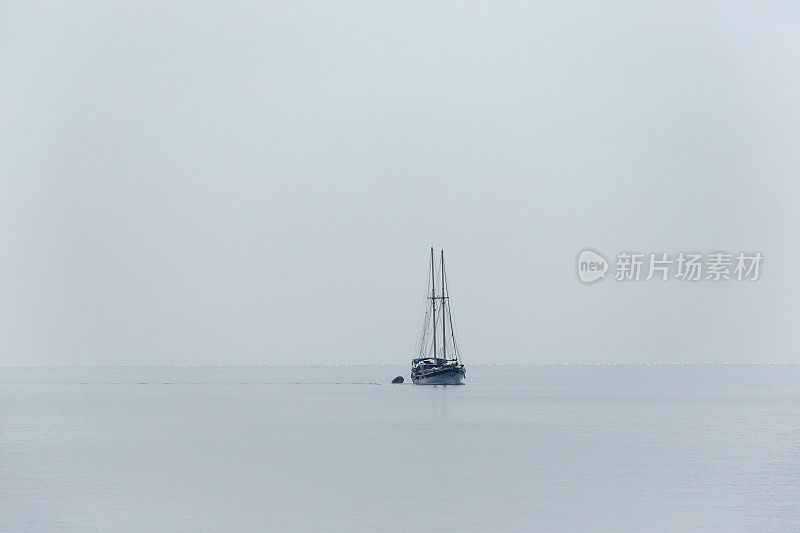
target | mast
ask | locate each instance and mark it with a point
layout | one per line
(433, 304)
(444, 303)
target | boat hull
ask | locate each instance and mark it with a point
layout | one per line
(452, 376)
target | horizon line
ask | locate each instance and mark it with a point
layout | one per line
(360, 364)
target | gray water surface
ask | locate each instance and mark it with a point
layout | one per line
(700, 447)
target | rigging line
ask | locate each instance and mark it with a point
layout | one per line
(425, 315)
(423, 321)
(423, 338)
(433, 301)
(452, 328)
(456, 349)
(455, 335)
(444, 310)
(447, 308)
(426, 302)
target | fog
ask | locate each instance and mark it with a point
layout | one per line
(198, 183)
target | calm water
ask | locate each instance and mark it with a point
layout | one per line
(551, 448)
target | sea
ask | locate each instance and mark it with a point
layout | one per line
(638, 447)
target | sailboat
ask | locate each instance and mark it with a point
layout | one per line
(433, 365)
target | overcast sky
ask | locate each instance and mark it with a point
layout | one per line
(246, 183)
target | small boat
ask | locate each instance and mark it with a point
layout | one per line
(433, 365)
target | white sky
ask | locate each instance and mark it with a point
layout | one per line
(260, 182)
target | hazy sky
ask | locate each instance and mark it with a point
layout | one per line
(260, 182)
